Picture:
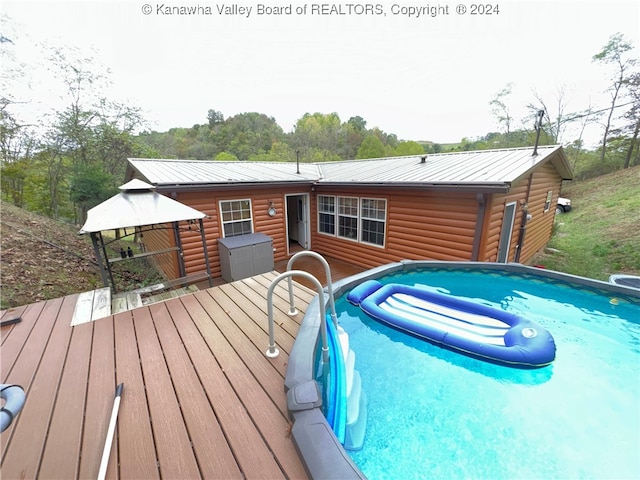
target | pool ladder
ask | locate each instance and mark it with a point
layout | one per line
(356, 399)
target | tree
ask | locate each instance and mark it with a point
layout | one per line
(372, 147)
(409, 148)
(318, 135)
(82, 148)
(631, 130)
(500, 108)
(14, 179)
(17, 140)
(90, 186)
(556, 119)
(614, 53)
(226, 157)
(214, 117)
(247, 134)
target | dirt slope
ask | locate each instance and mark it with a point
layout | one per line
(41, 258)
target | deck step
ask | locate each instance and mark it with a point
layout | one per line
(91, 306)
(125, 301)
(169, 294)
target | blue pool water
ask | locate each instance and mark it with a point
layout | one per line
(434, 413)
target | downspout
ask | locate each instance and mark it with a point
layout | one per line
(477, 237)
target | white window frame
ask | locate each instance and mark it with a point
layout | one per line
(322, 212)
(224, 222)
(379, 220)
(359, 218)
(340, 214)
(547, 202)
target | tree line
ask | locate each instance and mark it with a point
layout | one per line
(252, 136)
(76, 156)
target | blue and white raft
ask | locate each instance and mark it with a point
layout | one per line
(478, 330)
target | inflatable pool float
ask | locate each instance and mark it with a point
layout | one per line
(478, 330)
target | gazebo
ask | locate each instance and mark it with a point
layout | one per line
(142, 209)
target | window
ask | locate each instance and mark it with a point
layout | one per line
(547, 202)
(358, 219)
(236, 217)
(373, 214)
(348, 217)
(327, 214)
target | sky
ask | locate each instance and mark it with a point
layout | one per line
(423, 71)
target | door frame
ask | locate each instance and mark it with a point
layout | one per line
(506, 234)
(306, 218)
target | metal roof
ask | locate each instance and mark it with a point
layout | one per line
(203, 172)
(482, 168)
(137, 205)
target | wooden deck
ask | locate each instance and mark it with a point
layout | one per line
(201, 400)
(339, 269)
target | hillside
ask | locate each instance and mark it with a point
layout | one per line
(42, 259)
(601, 235)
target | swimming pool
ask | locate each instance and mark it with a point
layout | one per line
(434, 413)
(576, 418)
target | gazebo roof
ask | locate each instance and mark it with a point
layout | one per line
(137, 205)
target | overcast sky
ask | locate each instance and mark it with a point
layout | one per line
(421, 77)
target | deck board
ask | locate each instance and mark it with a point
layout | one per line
(175, 456)
(200, 400)
(136, 447)
(214, 458)
(18, 338)
(27, 444)
(253, 454)
(100, 392)
(68, 415)
(261, 366)
(11, 313)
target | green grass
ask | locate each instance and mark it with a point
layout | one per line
(601, 235)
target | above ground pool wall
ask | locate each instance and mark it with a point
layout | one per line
(321, 452)
(343, 286)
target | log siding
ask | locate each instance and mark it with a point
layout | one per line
(420, 222)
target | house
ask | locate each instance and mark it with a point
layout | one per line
(490, 206)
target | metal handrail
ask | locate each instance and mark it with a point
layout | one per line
(273, 352)
(327, 271)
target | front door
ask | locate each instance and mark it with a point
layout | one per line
(297, 222)
(505, 234)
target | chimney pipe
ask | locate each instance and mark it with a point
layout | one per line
(538, 127)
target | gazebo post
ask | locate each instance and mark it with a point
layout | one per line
(206, 252)
(96, 250)
(176, 236)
